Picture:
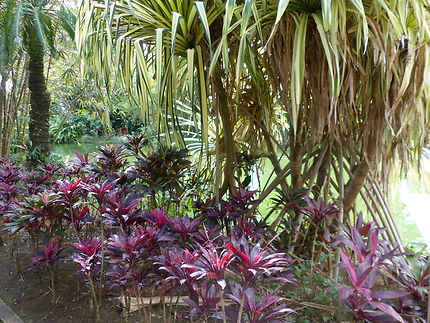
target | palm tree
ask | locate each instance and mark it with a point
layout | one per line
(29, 28)
(348, 76)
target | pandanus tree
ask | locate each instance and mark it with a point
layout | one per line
(30, 29)
(162, 47)
(355, 74)
(338, 87)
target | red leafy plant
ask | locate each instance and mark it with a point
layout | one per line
(211, 264)
(48, 257)
(158, 218)
(122, 210)
(229, 211)
(109, 162)
(172, 263)
(40, 214)
(89, 259)
(256, 262)
(257, 310)
(184, 227)
(362, 297)
(206, 302)
(411, 273)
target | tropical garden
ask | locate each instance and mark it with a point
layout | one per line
(214, 161)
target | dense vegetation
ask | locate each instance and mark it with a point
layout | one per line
(326, 95)
(142, 225)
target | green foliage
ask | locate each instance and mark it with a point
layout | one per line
(79, 108)
(72, 127)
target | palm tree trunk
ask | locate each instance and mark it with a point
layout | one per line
(39, 99)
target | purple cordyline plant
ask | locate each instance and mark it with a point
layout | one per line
(206, 236)
(49, 170)
(41, 180)
(184, 227)
(162, 170)
(255, 263)
(361, 298)
(154, 238)
(137, 144)
(81, 163)
(119, 277)
(292, 200)
(78, 217)
(234, 208)
(318, 211)
(110, 160)
(88, 256)
(172, 263)
(126, 249)
(246, 228)
(157, 217)
(137, 246)
(362, 239)
(70, 191)
(35, 214)
(206, 301)
(122, 210)
(99, 190)
(239, 202)
(413, 274)
(48, 255)
(10, 174)
(211, 265)
(9, 191)
(257, 310)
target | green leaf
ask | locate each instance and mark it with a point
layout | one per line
(190, 72)
(298, 66)
(200, 6)
(203, 97)
(175, 22)
(326, 13)
(359, 5)
(282, 6)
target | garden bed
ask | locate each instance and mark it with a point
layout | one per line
(141, 226)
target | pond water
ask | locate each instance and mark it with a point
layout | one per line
(409, 198)
(68, 150)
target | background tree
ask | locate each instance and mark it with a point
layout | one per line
(30, 28)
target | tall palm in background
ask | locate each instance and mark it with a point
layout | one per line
(29, 27)
(349, 78)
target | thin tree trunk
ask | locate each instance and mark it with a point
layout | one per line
(359, 174)
(273, 155)
(39, 99)
(227, 128)
(296, 158)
